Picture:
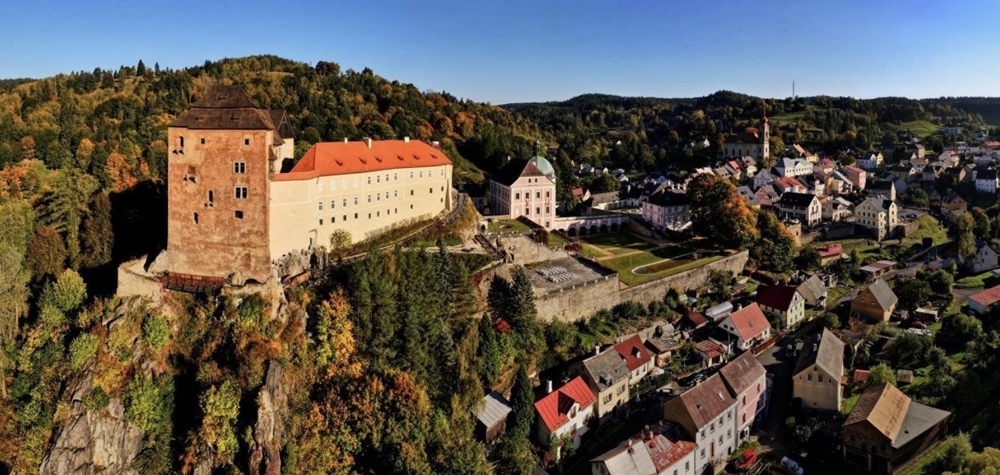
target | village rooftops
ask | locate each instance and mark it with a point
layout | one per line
(516, 168)
(750, 322)
(776, 296)
(339, 158)
(828, 354)
(554, 408)
(494, 409)
(225, 107)
(741, 373)
(878, 267)
(883, 294)
(606, 369)
(987, 297)
(894, 415)
(710, 348)
(798, 200)
(651, 451)
(704, 402)
(633, 352)
(830, 250)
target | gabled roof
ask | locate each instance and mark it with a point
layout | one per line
(986, 175)
(749, 322)
(879, 203)
(828, 354)
(885, 297)
(553, 409)
(776, 296)
(606, 369)
(225, 107)
(514, 169)
(830, 250)
(664, 195)
(792, 198)
(280, 120)
(338, 158)
(633, 352)
(700, 404)
(987, 297)
(494, 409)
(710, 348)
(648, 452)
(884, 407)
(880, 185)
(812, 288)
(742, 373)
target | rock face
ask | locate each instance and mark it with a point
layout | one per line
(272, 406)
(94, 441)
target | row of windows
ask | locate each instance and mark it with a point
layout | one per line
(378, 197)
(538, 194)
(378, 214)
(378, 179)
(201, 140)
(238, 214)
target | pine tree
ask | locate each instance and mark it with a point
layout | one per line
(499, 297)
(489, 352)
(97, 235)
(140, 69)
(522, 404)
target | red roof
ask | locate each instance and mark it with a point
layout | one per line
(555, 406)
(992, 144)
(695, 318)
(987, 297)
(710, 348)
(668, 446)
(861, 375)
(776, 296)
(855, 169)
(750, 322)
(830, 250)
(338, 158)
(577, 192)
(633, 352)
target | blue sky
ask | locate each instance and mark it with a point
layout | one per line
(530, 50)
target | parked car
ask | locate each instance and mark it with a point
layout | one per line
(791, 466)
(746, 460)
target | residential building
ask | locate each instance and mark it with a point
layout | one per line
(870, 161)
(707, 412)
(748, 326)
(782, 302)
(835, 208)
(525, 188)
(789, 184)
(662, 349)
(818, 376)
(951, 130)
(800, 152)
(986, 181)
(984, 260)
(884, 189)
(953, 202)
(751, 143)
(802, 206)
(877, 217)
(876, 301)
(711, 352)
(981, 302)
(855, 175)
(667, 209)
(565, 412)
(746, 379)
(608, 377)
(886, 429)
(491, 417)
(813, 291)
(234, 212)
(747, 194)
(829, 252)
(637, 358)
(762, 178)
(661, 449)
(791, 167)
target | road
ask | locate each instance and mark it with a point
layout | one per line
(771, 429)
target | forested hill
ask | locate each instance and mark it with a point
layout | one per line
(111, 124)
(643, 133)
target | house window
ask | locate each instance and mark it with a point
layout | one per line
(369, 198)
(320, 221)
(211, 197)
(203, 140)
(430, 191)
(821, 378)
(240, 168)
(355, 215)
(355, 201)
(181, 141)
(241, 192)
(333, 204)
(546, 194)
(238, 214)
(378, 179)
(421, 173)
(321, 206)
(411, 175)
(345, 217)
(196, 218)
(246, 142)
(369, 180)
(345, 202)
(809, 377)
(395, 177)
(538, 194)
(411, 192)
(538, 210)
(395, 193)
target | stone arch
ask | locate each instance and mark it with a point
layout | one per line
(604, 227)
(571, 231)
(593, 229)
(614, 227)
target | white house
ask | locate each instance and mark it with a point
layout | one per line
(803, 206)
(762, 178)
(659, 449)
(636, 357)
(877, 216)
(565, 412)
(783, 302)
(708, 412)
(986, 181)
(748, 326)
(985, 258)
(667, 209)
(870, 161)
(788, 167)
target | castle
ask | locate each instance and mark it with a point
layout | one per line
(237, 201)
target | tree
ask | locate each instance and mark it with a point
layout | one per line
(939, 280)
(912, 292)
(917, 198)
(963, 233)
(981, 223)
(66, 293)
(513, 454)
(489, 352)
(97, 235)
(880, 374)
(47, 252)
(719, 213)
(720, 283)
(809, 258)
(140, 69)
(340, 241)
(500, 298)
(775, 246)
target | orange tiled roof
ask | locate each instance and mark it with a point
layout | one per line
(750, 321)
(553, 409)
(633, 352)
(339, 158)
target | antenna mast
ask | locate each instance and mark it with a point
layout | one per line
(793, 89)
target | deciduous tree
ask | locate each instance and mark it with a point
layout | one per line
(775, 245)
(720, 214)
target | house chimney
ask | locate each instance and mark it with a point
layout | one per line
(597, 349)
(368, 140)
(406, 139)
(345, 139)
(548, 386)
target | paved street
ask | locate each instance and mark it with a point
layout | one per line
(772, 426)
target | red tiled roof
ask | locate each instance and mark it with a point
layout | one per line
(710, 348)
(776, 296)
(577, 192)
(855, 169)
(633, 352)
(338, 158)
(861, 375)
(987, 297)
(695, 318)
(554, 407)
(750, 321)
(830, 250)
(668, 446)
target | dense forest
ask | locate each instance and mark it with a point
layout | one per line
(373, 370)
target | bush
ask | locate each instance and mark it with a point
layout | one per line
(155, 331)
(82, 349)
(97, 399)
(144, 405)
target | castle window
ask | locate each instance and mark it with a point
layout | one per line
(333, 204)
(181, 141)
(395, 193)
(345, 217)
(355, 215)
(546, 209)
(395, 211)
(355, 201)
(369, 216)
(378, 213)
(546, 194)
(321, 206)
(538, 210)
(203, 140)
(369, 198)
(517, 196)
(411, 173)
(430, 190)
(411, 192)
(442, 188)
(211, 197)
(538, 194)
(345, 202)
(246, 142)
(241, 192)
(369, 180)
(387, 195)
(238, 214)
(378, 197)
(240, 168)
(386, 177)
(320, 221)
(421, 173)
(333, 219)
(395, 177)
(411, 206)
(196, 218)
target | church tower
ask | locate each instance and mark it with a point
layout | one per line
(765, 137)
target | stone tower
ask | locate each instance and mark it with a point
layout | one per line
(222, 152)
(765, 137)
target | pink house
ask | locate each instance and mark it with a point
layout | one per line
(746, 379)
(855, 175)
(525, 188)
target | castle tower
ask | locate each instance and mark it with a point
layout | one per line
(221, 153)
(765, 137)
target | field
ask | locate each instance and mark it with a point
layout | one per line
(638, 261)
(919, 128)
(929, 227)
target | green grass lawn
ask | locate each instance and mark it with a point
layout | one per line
(919, 128)
(929, 227)
(835, 294)
(507, 225)
(850, 402)
(977, 281)
(592, 252)
(624, 266)
(556, 241)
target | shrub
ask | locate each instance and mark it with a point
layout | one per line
(144, 405)
(97, 399)
(221, 406)
(82, 349)
(155, 331)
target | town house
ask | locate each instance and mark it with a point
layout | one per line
(984, 260)
(565, 412)
(748, 326)
(782, 302)
(659, 449)
(746, 379)
(707, 412)
(802, 206)
(817, 378)
(608, 377)
(637, 358)
(876, 302)
(525, 188)
(667, 209)
(856, 175)
(792, 167)
(877, 217)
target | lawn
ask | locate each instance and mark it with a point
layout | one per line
(507, 225)
(850, 402)
(977, 281)
(618, 243)
(834, 295)
(929, 227)
(624, 266)
(919, 128)
(556, 241)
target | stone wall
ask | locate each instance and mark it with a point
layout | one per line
(581, 302)
(524, 250)
(134, 281)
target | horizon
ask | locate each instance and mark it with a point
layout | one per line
(524, 53)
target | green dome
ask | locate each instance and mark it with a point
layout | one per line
(545, 166)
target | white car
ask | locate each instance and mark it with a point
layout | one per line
(792, 466)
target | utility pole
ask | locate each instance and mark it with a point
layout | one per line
(793, 89)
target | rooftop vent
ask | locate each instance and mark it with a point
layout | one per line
(406, 139)
(368, 141)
